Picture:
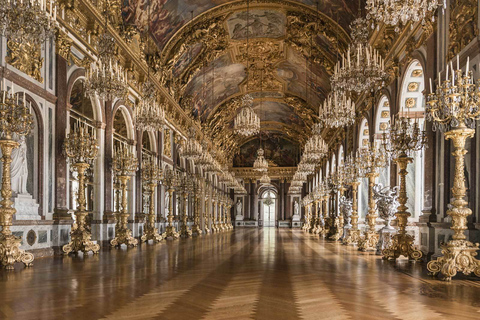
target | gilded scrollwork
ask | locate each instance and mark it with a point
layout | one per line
(463, 27)
(25, 57)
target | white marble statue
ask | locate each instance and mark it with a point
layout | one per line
(20, 167)
(167, 202)
(238, 210)
(295, 208)
(238, 207)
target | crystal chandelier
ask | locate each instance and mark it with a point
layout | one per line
(28, 21)
(305, 168)
(361, 68)
(149, 115)
(247, 122)
(105, 76)
(260, 164)
(193, 150)
(315, 148)
(400, 12)
(81, 146)
(338, 110)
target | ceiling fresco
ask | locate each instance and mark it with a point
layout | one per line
(168, 16)
(292, 49)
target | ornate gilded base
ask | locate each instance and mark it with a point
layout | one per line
(207, 231)
(81, 240)
(151, 234)
(10, 252)
(185, 232)
(123, 236)
(458, 256)
(352, 237)
(170, 233)
(196, 230)
(369, 241)
(336, 231)
(402, 245)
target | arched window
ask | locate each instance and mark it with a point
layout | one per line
(363, 141)
(82, 112)
(269, 206)
(412, 105)
(382, 120)
(122, 133)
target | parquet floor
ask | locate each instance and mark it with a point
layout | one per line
(246, 274)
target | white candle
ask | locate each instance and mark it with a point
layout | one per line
(453, 73)
(468, 65)
(458, 63)
(431, 88)
(446, 78)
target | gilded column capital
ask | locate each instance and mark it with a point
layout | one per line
(63, 44)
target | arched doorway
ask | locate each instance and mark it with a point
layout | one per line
(268, 207)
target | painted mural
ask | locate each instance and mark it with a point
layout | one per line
(186, 58)
(214, 84)
(293, 71)
(277, 112)
(168, 16)
(279, 152)
(261, 24)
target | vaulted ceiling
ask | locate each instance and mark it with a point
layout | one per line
(202, 45)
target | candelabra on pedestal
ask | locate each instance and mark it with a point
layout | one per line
(315, 221)
(306, 204)
(15, 119)
(196, 228)
(124, 166)
(206, 215)
(151, 176)
(324, 225)
(403, 139)
(353, 174)
(339, 180)
(171, 181)
(187, 188)
(371, 159)
(454, 108)
(223, 206)
(81, 148)
(229, 215)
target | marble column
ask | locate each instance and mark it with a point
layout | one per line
(61, 172)
(108, 170)
(281, 208)
(254, 204)
(138, 181)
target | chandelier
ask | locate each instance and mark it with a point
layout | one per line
(247, 122)
(371, 159)
(315, 148)
(400, 12)
(260, 164)
(28, 21)
(149, 115)
(404, 137)
(105, 76)
(305, 168)
(361, 68)
(193, 150)
(338, 110)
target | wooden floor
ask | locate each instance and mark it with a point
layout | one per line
(246, 274)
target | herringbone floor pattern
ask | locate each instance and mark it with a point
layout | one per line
(246, 274)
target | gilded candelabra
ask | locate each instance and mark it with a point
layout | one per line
(339, 182)
(15, 119)
(371, 159)
(315, 219)
(81, 148)
(171, 181)
(206, 215)
(454, 108)
(229, 215)
(324, 225)
(151, 175)
(307, 204)
(352, 168)
(124, 165)
(187, 188)
(403, 139)
(196, 228)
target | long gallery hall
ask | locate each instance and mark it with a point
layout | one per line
(239, 159)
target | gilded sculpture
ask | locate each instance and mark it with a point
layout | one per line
(25, 57)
